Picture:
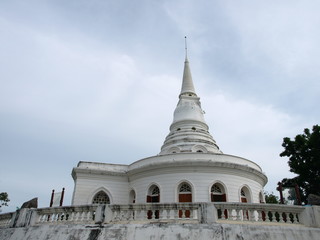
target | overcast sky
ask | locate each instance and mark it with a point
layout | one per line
(99, 80)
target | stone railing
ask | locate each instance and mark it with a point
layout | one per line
(197, 213)
(72, 214)
(157, 212)
(273, 213)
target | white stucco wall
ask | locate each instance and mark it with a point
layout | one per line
(200, 182)
(161, 231)
(200, 170)
(87, 185)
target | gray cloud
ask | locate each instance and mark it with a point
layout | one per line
(99, 80)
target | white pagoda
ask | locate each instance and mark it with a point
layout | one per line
(189, 168)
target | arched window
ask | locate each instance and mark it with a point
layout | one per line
(101, 198)
(174, 150)
(153, 194)
(199, 149)
(132, 197)
(245, 196)
(218, 193)
(185, 188)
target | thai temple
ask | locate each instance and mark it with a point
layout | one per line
(189, 168)
(190, 190)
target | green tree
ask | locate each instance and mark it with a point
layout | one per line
(4, 199)
(271, 198)
(304, 160)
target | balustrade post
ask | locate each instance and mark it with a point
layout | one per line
(191, 213)
(222, 213)
(153, 214)
(239, 214)
(176, 214)
(281, 218)
(171, 213)
(161, 213)
(252, 215)
(72, 217)
(259, 216)
(183, 215)
(274, 219)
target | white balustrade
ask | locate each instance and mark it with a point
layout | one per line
(60, 215)
(161, 212)
(274, 213)
(152, 212)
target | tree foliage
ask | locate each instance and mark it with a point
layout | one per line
(4, 199)
(271, 198)
(304, 160)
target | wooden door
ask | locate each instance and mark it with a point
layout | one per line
(218, 197)
(245, 213)
(153, 199)
(185, 197)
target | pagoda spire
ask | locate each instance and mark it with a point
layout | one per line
(189, 131)
(187, 83)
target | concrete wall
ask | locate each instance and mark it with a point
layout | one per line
(161, 231)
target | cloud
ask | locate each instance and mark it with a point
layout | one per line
(251, 130)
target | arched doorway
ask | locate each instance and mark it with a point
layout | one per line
(153, 194)
(245, 197)
(153, 197)
(218, 194)
(101, 198)
(185, 195)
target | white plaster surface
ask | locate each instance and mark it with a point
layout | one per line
(161, 231)
(200, 170)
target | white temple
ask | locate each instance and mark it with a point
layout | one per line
(189, 168)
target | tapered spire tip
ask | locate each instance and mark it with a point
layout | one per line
(186, 48)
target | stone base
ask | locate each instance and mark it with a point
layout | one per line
(161, 231)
